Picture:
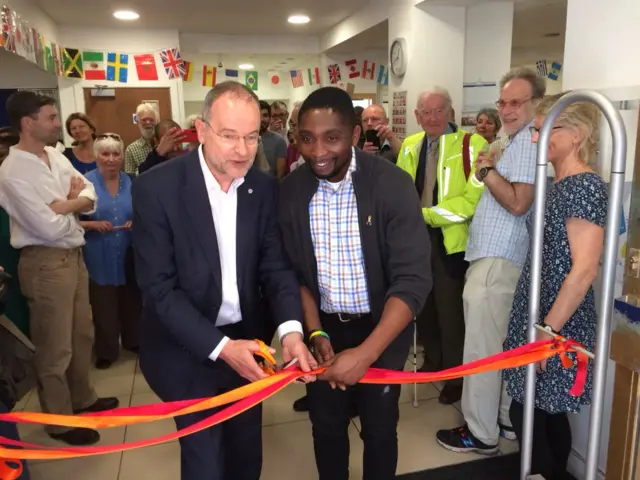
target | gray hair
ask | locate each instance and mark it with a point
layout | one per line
(238, 90)
(538, 83)
(190, 122)
(147, 108)
(491, 113)
(107, 142)
(281, 105)
(379, 107)
(439, 91)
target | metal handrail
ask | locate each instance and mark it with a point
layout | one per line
(612, 231)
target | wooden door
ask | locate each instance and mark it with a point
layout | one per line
(115, 114)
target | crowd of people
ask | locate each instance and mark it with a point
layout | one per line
(319, 226)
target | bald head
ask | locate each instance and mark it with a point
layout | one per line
(372, 116)
(433, 112)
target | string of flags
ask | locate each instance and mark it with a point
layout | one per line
(543, 70)
(19, 38)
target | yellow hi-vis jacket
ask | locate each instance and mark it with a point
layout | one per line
(458, 196)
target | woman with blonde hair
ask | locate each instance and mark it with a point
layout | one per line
(83, 131)
(115, 302)
(575, 217)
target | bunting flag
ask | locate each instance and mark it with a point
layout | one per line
(353, 68)
(383, 75)
(314, 76)
(231, 73)
(334, 73)
(146, 67)
(8, 33)
(37, 50)
(296, 78)
(117, 67)
(275, 78)
(368, 69)
(554, 74)
(541, 65)
(209, 74)
(251, 80)
(172, 62)
(93, 63)
(188, 71)
(72, 62)
(50, 61)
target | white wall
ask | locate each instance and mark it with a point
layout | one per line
(131, 42)
(271, 44)
(18, 72)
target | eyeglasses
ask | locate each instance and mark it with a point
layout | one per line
(114, 136)
(514, 104)
(231, 139)
(536, 130)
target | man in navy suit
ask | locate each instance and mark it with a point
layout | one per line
(208, 249)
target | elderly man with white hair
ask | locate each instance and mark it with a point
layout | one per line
(441, 160)
(147, 118)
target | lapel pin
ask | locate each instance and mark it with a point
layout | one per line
(369, 221)
(250, 191)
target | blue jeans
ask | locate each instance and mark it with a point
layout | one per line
(10, 430)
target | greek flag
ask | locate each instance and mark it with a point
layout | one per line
(541, 65)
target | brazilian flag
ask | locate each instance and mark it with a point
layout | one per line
(251, 80)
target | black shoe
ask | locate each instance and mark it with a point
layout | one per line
(77, 436)
(461, 440)
(102, 364)
(450, 394)
(301, 404)
(100, 405)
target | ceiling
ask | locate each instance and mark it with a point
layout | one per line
(206, 16)
(533, 19)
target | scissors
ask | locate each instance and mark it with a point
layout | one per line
(269, 364)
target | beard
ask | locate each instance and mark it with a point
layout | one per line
(146, 132)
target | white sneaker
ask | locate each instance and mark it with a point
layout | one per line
(507, 432)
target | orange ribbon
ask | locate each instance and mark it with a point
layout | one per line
(248, 396)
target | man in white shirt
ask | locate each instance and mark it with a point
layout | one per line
(208, 249)
(43, 193)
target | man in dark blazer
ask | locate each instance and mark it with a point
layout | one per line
(207, 249)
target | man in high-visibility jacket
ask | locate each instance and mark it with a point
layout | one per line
(441, 161)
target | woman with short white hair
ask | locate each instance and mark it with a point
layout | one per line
(115, 302)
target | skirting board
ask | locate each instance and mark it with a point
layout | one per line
(577, 465)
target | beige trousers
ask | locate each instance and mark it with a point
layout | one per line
(487, 298)
(56, 285)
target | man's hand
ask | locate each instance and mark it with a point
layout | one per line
(277, 125)
(102, 227)
(386, 133)
(294, 347)
(239, 355)
(169, 141)
(347, 368)
(486, 158)
(75, 187)
(128, 225)
(369, 147)
(323, 351)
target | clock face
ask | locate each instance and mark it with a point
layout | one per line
(397, 59)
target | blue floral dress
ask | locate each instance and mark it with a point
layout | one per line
(578, 196)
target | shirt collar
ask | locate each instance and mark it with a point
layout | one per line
(209, 180)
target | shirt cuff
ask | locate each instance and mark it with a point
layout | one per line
(214, 355)
(288, 327)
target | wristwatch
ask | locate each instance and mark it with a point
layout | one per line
(483, 172)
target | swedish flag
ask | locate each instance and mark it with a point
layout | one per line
(117, 67)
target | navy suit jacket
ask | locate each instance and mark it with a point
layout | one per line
(178, 270)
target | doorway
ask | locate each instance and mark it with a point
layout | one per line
(116, 113)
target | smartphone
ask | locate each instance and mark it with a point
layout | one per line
(190, 135)
(372, 136)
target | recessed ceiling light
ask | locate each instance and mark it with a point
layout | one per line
(298, 19)
(245, 66)
(126, 15)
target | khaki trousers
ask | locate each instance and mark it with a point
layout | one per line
(487, 298)
(56, 285)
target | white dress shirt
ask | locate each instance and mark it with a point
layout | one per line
(28, 187)
(224, 209)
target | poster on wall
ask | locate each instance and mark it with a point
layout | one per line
(399, 113)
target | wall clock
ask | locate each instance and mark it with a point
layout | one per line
(398, 57)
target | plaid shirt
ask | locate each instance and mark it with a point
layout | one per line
(495, 232)
(335, 231)
(135, 154)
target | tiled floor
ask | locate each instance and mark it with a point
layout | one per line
(284, 432)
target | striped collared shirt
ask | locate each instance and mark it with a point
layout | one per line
(335, 231)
